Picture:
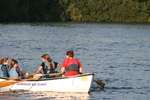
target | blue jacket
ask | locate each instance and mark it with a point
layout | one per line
(4, 70)
(13, 72)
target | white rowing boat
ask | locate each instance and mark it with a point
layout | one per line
(79, 83)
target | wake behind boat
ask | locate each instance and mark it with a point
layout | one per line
(78, 83)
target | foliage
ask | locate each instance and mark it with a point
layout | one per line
(109, 10)
(75, 10)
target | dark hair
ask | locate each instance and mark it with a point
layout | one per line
(70, 53)
(47, 57)
(14, 61)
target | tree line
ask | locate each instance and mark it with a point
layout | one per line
(75, 10)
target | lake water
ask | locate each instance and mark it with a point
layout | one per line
(119, 54)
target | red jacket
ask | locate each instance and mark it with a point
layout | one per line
(69, 61)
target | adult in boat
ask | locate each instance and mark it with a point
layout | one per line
(48, 66)
(71, 66)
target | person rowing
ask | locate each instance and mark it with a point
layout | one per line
(47, 67)
(71, 66)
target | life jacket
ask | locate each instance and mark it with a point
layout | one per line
(47, 70)
(73, 66)
(4, 70)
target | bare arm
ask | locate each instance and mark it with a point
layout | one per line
(81, 68)
(62, 69)
(38, 70)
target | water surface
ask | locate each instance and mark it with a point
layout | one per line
(118, 54)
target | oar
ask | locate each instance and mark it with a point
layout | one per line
(100, 83)
(54, 74)
(7, 82)
(38, 76)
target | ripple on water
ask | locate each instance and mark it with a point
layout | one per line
(119, 54)
(26, 95)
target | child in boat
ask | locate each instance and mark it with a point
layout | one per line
(48, 66)
(71, 66)
(12, 72)
(15, 71)
(11, 69)
(4, 67)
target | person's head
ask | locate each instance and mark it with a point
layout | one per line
(4, 60)
(1, 60)
(70, 53)
(46, 57)
(14, 63)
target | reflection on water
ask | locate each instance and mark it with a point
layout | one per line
(26, 95)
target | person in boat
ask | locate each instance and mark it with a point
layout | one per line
(71, 66)
(4, 67)
(15, 71)
(11, 69)
(48, 66)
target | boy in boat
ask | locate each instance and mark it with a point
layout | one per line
(71, 66)
(48, 66)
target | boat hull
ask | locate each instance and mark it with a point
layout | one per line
(81, 83)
